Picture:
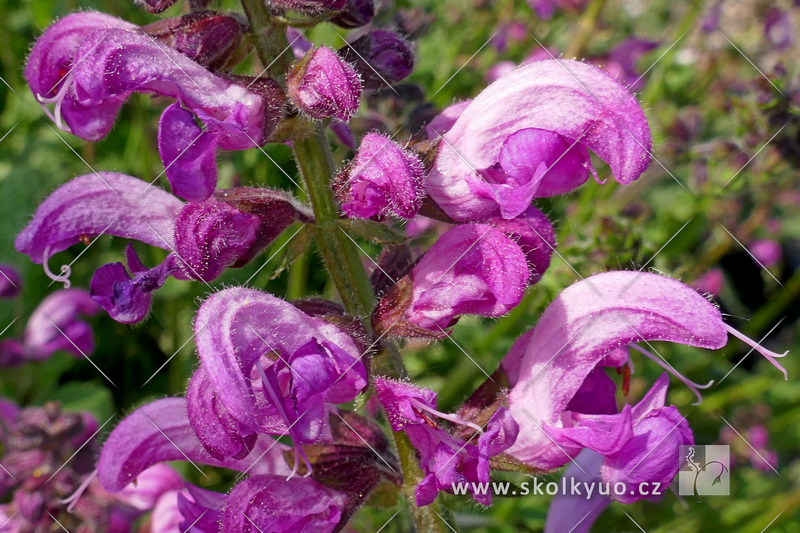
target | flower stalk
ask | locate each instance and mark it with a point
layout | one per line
(339, 253)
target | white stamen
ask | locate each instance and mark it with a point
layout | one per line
(769, 355)
(73, 499)
(66, 271)
(452, 418)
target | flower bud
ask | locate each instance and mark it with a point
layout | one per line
(381, 58)
(10, 282)
(229, 230)
(207, 37)
(382, 180)
(322, 85)
(154, 6)
(356, 13)
(310, 7)
(472, 269)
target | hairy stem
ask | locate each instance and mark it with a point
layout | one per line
(340, 254)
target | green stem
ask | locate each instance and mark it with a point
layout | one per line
(586, 28)
(339, 253)
(270, 38)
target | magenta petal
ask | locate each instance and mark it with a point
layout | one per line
(273, 503)
(568, 164)
(597, 395)
(605, 434)
(442, 123)
(115, 63)
(586, 322)
(188, 154)
(323, 85)
(59, 311)
(94, 204)
(577, 512)
(237, 326)
(651, 456)
(210, 236)
(534, 234)
(201, 510)
(396, 396)
(218, 432)
(569, 98)
(150, 485)
(48, 72)
(127, 299)
(471, 269)
(158, 432)
(383, 180)
(10, 281)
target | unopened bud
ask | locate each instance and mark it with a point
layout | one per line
(206, 37)
(10, 282)
(356, 13)
(381, 58)
(323, 85)
(310, 7)
(382, 180)
(154, 6)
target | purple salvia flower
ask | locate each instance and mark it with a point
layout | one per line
(310, 7)
(535, 236)
(489, 163)
(117, 63)
(382, 58)
(576, 333)
(442, 123)
(273, 503)
(309, 363)
(154, 6)
(59, 311)
(49, 73)
(159, 432)
(188, 154)
(323, 85)
(95, 204)
(546, 8)
(622, 59)
(445, 459)
(472, 269)
(127, 298)
(779, 28)
(10, 281)
(110, 64)
(382, 180)
(766, 251)
(356, 13)
(206, 37)
(201, 509)
(653, 454)
(212, 235)
(218, 432)
(650, 459)
(230, 229)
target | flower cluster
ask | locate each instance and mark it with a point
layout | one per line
(269, 368)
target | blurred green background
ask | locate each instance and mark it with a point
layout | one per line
(711, 111)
